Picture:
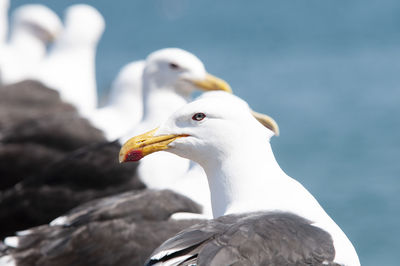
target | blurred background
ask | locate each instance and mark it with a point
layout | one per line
(327, 71)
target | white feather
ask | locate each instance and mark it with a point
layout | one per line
(33, 27)
(70, 66)
(59, 221)
(4, 5)
(163, 93)
(12, 241)
(124, 108)
(243, 175)
(7, 260)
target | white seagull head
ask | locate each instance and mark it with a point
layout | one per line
(178, 70)
(38, 20)
(206, 130)
(84, 25)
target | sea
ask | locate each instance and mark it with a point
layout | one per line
(328, 71)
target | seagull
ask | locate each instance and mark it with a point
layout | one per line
(170, 76)
(261, 215)
(4, 5)
(70, 66)
(124, 108)
(34, 26)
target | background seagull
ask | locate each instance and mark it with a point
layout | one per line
(124, 108)
(70, 66)
(33, 27)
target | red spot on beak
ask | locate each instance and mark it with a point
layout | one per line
(133, 156)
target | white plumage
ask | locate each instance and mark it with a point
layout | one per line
(124, 108)
(163, 93)
(243, 175)
(168, 81)
(4, 5)
(70, 66)
(34, 26)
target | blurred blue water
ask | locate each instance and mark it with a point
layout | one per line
(328, 71)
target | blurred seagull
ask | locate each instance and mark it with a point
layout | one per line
(124, 108)
(70, 66)
(34, 26)
(4, 5)
(264, 216)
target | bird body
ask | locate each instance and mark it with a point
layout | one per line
(219, 132)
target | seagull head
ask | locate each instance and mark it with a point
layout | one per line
(205, 130)
(84, 25)
(38, 20)
(178, 70)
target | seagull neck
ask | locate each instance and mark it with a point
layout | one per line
(80, 88)
(239, 179)
(257, 183)
(252, 180)
(254, 184)
(159, 103)
(69, 44)
(28, 44)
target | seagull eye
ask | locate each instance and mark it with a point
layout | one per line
(198, 116)
(173, 66)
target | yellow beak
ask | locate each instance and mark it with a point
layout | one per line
(142, 145)
(212, 83)
(267, 122)
(138, 147)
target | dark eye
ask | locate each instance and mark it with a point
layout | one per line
(173, 66)
(198, 116)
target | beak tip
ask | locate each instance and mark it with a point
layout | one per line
(229, 89)
(131, 156)
(121, 158)
(275, 128)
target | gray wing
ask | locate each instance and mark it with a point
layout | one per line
(42, 173)
(119, 230)
(31, 112)
(149, 205)
(34, 115)
(249, 239)
(28, 100)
